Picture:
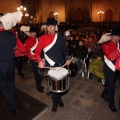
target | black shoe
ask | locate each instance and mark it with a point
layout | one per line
(42, 87)
(21, 76)
(105, 97)
(61, 104)
(54, 108)
(40, 90)
(113, 108)
(16, 111)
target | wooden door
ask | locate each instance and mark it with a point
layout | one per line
(78, 15)
(109, 15)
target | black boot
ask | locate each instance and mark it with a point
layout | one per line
(54, 108)
(61, 104)
(40, 90)
(113, 108)
(21, 75)
(105, 97)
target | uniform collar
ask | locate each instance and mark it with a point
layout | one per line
(52, 34)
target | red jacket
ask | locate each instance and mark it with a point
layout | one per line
(29, 43)
(19, 49)
(44, 41)
(110, 50)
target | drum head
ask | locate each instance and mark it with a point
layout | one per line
(58, 74)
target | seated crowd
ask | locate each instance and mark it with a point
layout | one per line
(82, 45)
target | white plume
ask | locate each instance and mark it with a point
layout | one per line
(104, 38)
(25, 29)
(9, 20)
(44, 27)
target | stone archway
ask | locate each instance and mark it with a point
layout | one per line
(109, 15)
(78, 15)
(111, 10)
(77, 8)
(51, 14)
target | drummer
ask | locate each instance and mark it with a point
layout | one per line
(54, 47)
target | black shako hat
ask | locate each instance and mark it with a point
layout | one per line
(51, 21)
(115, 31)
(33, 29)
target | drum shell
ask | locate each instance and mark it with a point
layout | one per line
(58, 85)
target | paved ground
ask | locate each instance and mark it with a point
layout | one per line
(82, 102)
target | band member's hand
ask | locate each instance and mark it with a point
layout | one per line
(68, 62)
(41, 65)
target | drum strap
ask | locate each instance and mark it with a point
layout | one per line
(34, 47)
(51, 62)
(109, 63)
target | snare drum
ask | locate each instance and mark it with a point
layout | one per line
(58, 80)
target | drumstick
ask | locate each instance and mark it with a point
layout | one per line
(64, 65)
(50, 68)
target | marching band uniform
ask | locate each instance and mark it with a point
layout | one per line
(7, 71)
(19, 54)
(30, 45)
(7, 67)
(54, 48)
(111, 53)
(56, 57)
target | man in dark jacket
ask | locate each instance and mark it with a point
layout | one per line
(7, 68)
(53, 55)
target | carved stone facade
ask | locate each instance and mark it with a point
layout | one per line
(69, 10)
(82, 10)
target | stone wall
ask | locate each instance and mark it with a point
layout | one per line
(9, 5)
(53, 5)
(66, 8)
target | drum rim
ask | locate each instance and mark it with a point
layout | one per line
(58, 79)
(59, 91)
(55, 76)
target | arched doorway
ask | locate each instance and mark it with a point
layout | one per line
(109, 15)
(78, 15)
(51, 14)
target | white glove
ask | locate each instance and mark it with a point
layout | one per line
(104, 38)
